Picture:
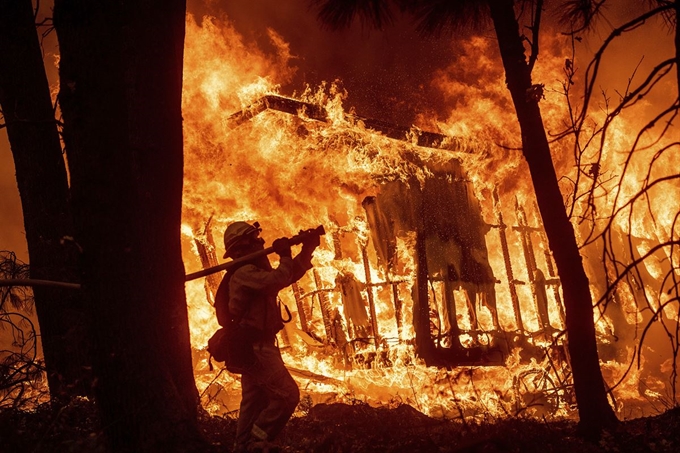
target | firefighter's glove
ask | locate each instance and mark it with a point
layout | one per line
(310, 242)
(281, 247)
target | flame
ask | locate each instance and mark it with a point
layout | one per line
(291, 171)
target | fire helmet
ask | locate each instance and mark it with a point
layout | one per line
(236, 232)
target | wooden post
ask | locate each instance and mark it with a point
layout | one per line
(324, 304)
(502, 227)
(371, 301)
(532, 269)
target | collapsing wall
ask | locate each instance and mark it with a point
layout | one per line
(445, 219)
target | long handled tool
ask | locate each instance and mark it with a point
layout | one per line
(297, 239)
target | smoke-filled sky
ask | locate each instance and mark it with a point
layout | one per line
(388, 75)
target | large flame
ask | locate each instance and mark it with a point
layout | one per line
(291, 171)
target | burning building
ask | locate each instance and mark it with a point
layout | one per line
(415, 267)
(434, 284)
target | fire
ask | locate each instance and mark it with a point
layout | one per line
(494, 298)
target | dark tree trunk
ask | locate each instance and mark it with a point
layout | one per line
(594, 410)
(43, 187)
(676, 13)
(121, 86)
(421, 308)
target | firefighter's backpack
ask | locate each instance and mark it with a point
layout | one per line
(230, 343)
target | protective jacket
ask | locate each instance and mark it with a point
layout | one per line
(252, 295)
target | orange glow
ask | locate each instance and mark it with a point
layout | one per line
(291, 171)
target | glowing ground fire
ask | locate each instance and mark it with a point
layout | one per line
(435, 248)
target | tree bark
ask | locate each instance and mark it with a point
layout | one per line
(120, 94)
(676, 12)
(595, 413)
(43, 187)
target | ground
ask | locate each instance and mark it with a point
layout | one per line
(336, 428)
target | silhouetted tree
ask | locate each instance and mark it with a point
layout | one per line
(623, 253)
(45, 199)
(120, 94)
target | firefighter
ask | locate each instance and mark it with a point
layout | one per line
(269, 394)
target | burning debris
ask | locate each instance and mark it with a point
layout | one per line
(408, 276)
(434, 285)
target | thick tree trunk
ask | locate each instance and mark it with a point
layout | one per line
(121, 82)
(43, 187)
(594, 410)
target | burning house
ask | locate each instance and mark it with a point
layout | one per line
(414, 267)
(439, 220)
(434, 284)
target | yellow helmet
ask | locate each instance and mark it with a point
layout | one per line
(236, 232)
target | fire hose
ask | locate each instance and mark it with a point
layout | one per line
(294, 240)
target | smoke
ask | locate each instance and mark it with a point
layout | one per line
(392, 74)
(388, 74)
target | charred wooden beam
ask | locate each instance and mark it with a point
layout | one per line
(371, 301)
(337, 245)
(541, 294)
(325, 306)
(425, 348)
(302, 316)
(296, 107)
(397, 305)
(502, 227)
(554, 280)
(537, 287)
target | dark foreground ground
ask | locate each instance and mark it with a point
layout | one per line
(342, 428)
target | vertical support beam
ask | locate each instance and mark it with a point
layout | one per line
(542, 300)
(302, 316)
(324, 304)
(525, 235)
(397, 305)
(451, 312)
(502, 227)
(421, 307)
(537, 288)
(369, 292)
(337, 245)
(552, 274)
